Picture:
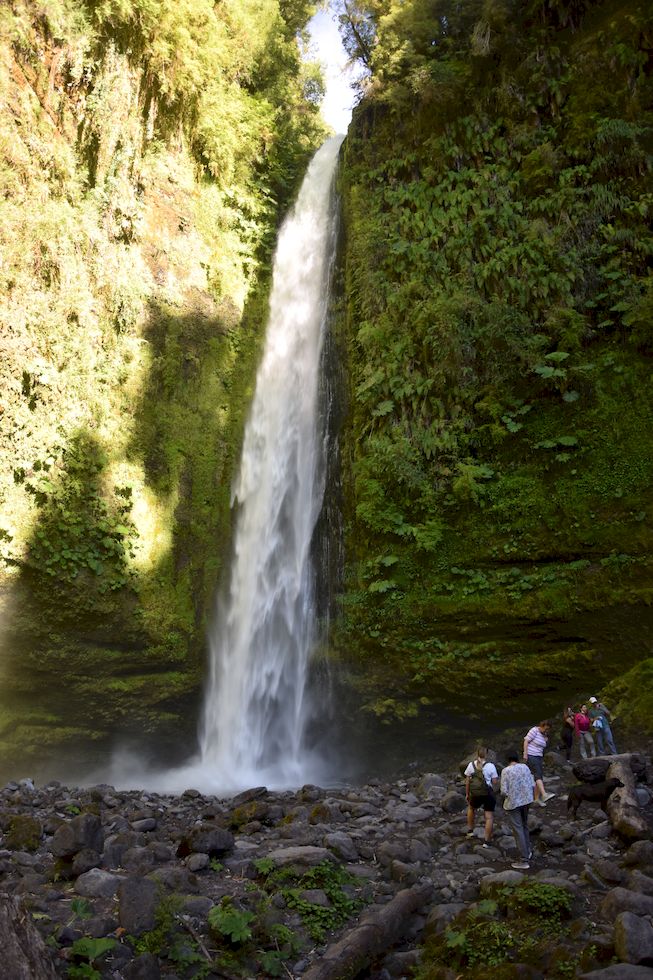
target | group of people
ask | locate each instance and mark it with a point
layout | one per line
(591, 724)
(522, 781)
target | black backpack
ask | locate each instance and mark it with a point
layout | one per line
(477, 784)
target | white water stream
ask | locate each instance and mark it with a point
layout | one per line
(256, 707)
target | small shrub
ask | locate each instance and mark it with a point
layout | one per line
(230, 923)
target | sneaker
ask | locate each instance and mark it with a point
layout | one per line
(470, 833)
(548, 796)
(485, 844)
(520, 865)
(541, 802)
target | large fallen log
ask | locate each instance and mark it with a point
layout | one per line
(596, 770)
(623, 808)
(378, 930)
(24, 954)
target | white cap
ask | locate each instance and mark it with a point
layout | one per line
(592, 700)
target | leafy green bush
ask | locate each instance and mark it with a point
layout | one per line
(230, 923)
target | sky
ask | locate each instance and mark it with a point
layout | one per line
(327, 47)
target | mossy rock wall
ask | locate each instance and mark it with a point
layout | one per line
(138, 214)
(498, 451)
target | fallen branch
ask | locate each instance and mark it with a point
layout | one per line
(623, 807)
(185, 922)
(379, 929)
(24, 954)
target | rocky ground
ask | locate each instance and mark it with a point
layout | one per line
(376, 881)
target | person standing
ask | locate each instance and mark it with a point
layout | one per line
(583, 727)
(481, 780)
(567, 732)
(535, 742)
(517, 785)
(600, 718)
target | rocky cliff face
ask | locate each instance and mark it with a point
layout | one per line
(138, 212)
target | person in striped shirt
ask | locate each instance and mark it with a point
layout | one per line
(535, 742)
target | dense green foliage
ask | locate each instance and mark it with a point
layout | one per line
(524, 923)
(498, 199)
(148, 149)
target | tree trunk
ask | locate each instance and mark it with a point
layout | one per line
(24, 954)
(378, 930)
(623, 808)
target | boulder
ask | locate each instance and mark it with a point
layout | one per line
(255, 793)
(144, 826)
(97, 884)
(392, 850)
(80, 833)
(138, 899)
(139, 859)
(453, 802)
(85, 860)
(303, 857)
(214, 841)
(623, 900)
(413, 814)
(316, 896)
(144, 967)
(176, 879)
(633, 939)
(440, 916)
(430, 780)
(492, 883)
(24, 833)
(620, 971)
(639, 882)
(342, 846)
(197, 862)
(325, 812)
(595, 770)
(640, 853)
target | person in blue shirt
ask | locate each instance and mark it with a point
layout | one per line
(601, 719)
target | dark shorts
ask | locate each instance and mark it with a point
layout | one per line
(535, 766)
(488, 802)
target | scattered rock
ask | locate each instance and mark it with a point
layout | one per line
(97, 884)
(140, 856)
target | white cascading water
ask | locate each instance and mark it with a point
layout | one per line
(256, 707)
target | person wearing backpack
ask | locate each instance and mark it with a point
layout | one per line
(481, 780)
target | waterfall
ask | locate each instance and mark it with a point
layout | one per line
(257, 705)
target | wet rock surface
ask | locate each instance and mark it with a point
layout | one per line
(349, 882)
